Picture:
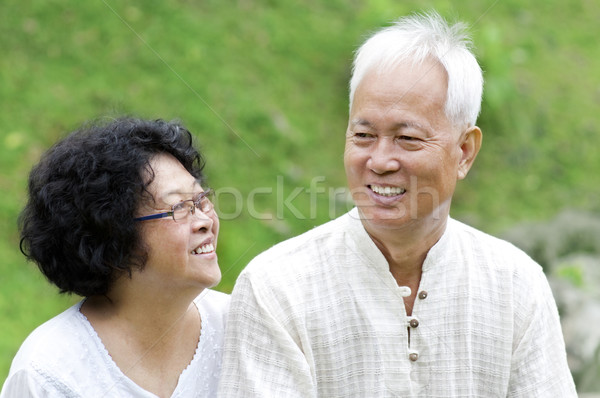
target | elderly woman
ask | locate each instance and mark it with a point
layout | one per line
(118, 213)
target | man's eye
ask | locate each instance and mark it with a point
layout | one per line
(410, 142)
(363, 135)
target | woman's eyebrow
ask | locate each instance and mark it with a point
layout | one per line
(178, 191)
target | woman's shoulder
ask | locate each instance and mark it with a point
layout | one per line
(50, 339)
(50, 353)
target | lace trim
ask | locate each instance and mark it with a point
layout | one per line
(114, 368)
(58, 385)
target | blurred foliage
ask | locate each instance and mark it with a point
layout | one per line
(573, 273)
(568, 248)
(547, 242)
(263, 85)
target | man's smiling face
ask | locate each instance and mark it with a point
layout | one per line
(402, 155)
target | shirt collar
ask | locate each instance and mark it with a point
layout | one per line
(373, 255)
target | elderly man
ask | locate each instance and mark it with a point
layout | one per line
(395, 298)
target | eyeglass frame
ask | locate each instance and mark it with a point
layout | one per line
(196, 201)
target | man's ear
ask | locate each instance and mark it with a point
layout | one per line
(469, 146)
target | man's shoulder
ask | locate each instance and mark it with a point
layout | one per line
(310, 244)
(484, 239)
(492, 249)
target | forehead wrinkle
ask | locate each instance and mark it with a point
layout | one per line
(409, 124)
(396, 126)
(182, 192)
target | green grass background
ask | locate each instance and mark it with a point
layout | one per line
(263, 85)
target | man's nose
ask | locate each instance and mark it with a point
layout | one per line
(384, 156)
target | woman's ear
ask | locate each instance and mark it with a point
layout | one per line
(470, 143)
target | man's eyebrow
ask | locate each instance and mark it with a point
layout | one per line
(361, 122)
(399, 125)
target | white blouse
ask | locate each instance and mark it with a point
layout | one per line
(320, 315)
(64, 357)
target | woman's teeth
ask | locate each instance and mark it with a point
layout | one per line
(387, 191)
(204, 249)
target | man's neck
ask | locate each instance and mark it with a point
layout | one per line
(405, 250)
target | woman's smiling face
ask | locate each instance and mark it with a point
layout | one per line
(180, 254)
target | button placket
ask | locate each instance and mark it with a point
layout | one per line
(404, 291)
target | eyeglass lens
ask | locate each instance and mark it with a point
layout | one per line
(183, 209)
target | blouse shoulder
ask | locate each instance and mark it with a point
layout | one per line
(50, 339)
(47, 355)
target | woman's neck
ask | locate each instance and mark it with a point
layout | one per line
(152, 338)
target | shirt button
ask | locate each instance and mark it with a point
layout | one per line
(405, 291)
(422, 294)
(414, 323)
(413, 356)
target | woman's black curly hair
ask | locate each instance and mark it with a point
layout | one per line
(83, 194)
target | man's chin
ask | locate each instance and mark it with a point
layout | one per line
(391, 217)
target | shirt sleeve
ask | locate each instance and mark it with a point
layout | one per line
(261, 359)
(539, 364)
(25, 383)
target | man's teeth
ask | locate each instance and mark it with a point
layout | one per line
(387, 191)
(204, 249)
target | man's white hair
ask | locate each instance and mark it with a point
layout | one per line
(427, 36)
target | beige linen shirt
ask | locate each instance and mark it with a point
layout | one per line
(320, 315)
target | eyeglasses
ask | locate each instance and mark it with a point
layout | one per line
(180, 211)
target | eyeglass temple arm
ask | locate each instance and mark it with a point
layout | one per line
(154, 216)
